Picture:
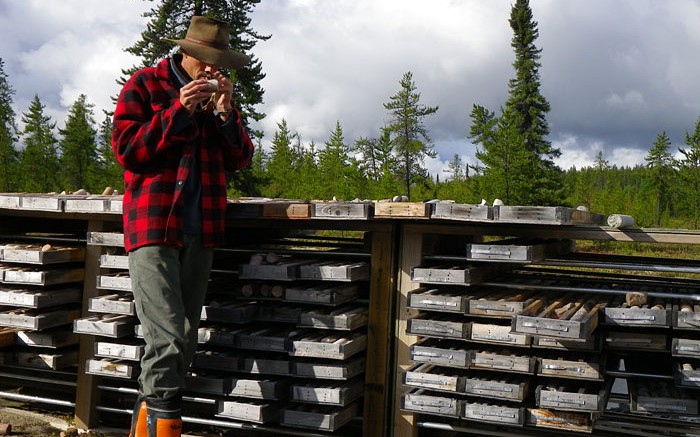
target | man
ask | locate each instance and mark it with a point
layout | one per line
(175, 139)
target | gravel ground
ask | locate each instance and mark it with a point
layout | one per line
(37, 423)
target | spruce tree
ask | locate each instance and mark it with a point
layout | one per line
(456, 169)
(516, 156)
(39, 161)
(335, 168)
(689, 170)
(409, 136)
(79, 158)
(110, 172)
(281, 166)
(375, 156)
(9, 156)
(661, 164)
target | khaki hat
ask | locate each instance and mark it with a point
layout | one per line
(208, 40)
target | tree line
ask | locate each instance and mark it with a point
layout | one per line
(514, 160)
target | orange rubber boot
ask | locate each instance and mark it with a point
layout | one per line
(139, 420)
(168, 427)
(164, 417)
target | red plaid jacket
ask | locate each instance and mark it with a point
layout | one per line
(155, 139)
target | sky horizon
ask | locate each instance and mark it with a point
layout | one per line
(617, 73)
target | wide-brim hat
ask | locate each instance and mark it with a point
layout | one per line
(208, 40)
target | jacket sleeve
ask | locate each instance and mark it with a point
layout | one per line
(238, 147)
(148, 120)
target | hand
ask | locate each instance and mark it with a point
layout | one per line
(196, 92)
(224, 95)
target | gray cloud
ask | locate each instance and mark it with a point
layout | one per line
(616, 72)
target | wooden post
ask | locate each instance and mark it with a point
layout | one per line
(377, 399)
(411, 256)
(87, 395)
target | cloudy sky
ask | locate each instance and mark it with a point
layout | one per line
(616, 72)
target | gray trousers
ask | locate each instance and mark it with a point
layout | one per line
(169, 286)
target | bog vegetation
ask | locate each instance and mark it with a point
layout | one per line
(514, 159)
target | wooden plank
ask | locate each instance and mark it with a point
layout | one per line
(116, 303)
(483, 412)
(440, 352)
(108, 261)
(342, 370)
(498, 334)
(426, 402)
(685, 347)
(568, 396)
(439, 326)
(95, 203)
(248, 410)
(686, 315)
(9, 200)
(687, 374)
(86, 204)
(462, 211)
(112, 368)
(34, 320)
(348, 317)
(495, 386)
(501, 303)
(433, 299)
(39, 202)
(330, 345)
(553, 215)
(572, 317)
(322, 418)
(38, 297)
(591, 343)
(218, 335)
(107, 325)
(588, 368)
(321, 294)
(334, 271)
(341, 210)
(114, 281)
(128, 350)
(378, 396)
(432, 377)
(42, 276)
(101, 238)
(52, 338)
(286, 210)
(340, 393)
(657, 313)
(502, 360)
(455, 274)
(87, 398)
(42, 254)
(48, 361)
(401, 209)
(518, 250)
(259, 388)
